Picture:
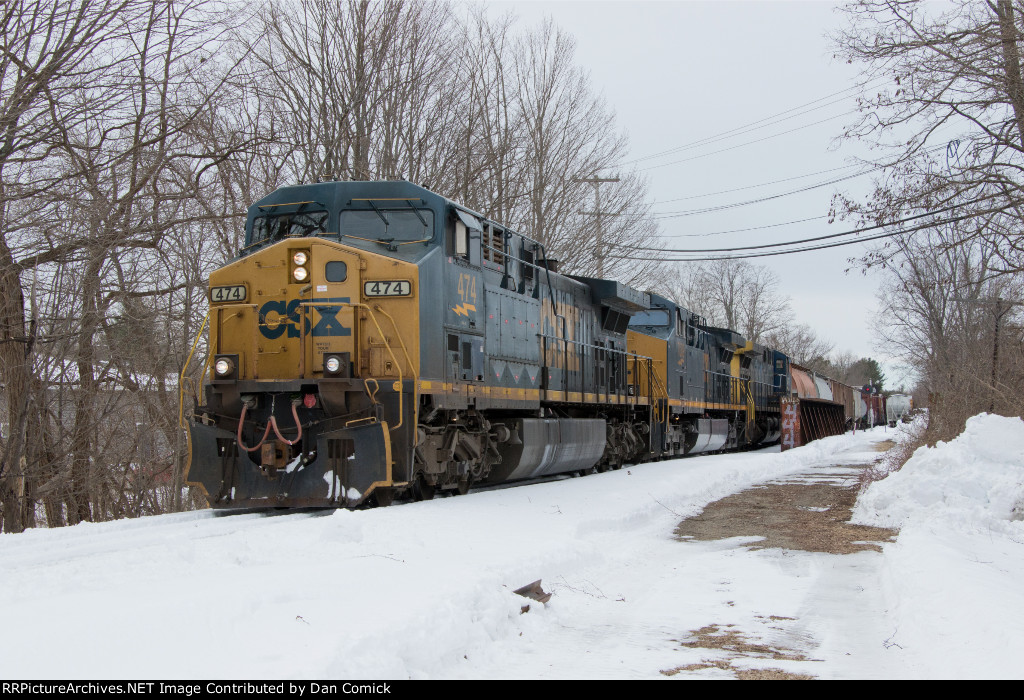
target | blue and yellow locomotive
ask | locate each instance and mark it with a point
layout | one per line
(375, 340)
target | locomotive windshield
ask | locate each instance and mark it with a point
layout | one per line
(277, 226)
(653, 317)
(388, 225)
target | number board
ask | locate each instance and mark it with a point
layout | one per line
(387, 288)
(234, 292)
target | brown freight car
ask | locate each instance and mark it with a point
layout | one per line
(819, 407)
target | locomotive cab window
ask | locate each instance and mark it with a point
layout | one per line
(388, 225)
(651, 317)
(336, 271)
(273, 227)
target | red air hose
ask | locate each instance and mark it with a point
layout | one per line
(266, 432)
(295, 416)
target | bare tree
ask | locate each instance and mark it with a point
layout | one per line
(108, 161)
(943, 96)
(503, 121)
(493, 175)
(733, 294)
(802, 346)
(940, 313)
(567, 138)
(48, 55)
(356, 90)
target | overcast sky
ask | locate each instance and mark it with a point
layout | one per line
(676, 73)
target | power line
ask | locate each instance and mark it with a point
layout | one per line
(706, 210)
(761, 184)
(797, 250)
(851, 232)
(739, 230)
(741, 145)
(733, 205)
(821, 238)
(757, 124)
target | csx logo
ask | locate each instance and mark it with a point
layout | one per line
(276, 317)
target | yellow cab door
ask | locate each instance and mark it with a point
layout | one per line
(330, 318)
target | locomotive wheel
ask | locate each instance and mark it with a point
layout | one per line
(421, 490)
(463, 488)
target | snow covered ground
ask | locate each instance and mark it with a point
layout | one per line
(425, 590)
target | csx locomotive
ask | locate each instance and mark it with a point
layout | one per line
(374, 340)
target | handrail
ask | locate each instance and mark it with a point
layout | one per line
(658, 392)
(730, 391)
(626, 355)
(745, 386)
(401, 341)
(412, 368)
(181, 383)
(181, 377)
(662, 389)
(373, 318)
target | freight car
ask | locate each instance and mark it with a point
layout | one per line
(376, 340)
(819, 407)
(898, 408)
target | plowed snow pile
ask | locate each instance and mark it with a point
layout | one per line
(953, 576)
(974, 481)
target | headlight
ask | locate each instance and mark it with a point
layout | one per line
(224, 366)
(300, 258)
(337, 364)
(300, 273)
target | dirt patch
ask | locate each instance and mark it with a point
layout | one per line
(743, 674)
(810, 516)
(808, 512)
(884, 445)
(770, 674)
(739, 647)
(714, 637)
(724, 665)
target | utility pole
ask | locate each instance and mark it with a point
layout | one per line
(1002, 308)
(599, 246)
(995, 349)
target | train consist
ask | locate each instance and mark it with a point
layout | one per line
(375, 340)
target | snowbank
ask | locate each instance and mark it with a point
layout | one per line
(976, 480)
(951, 580)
